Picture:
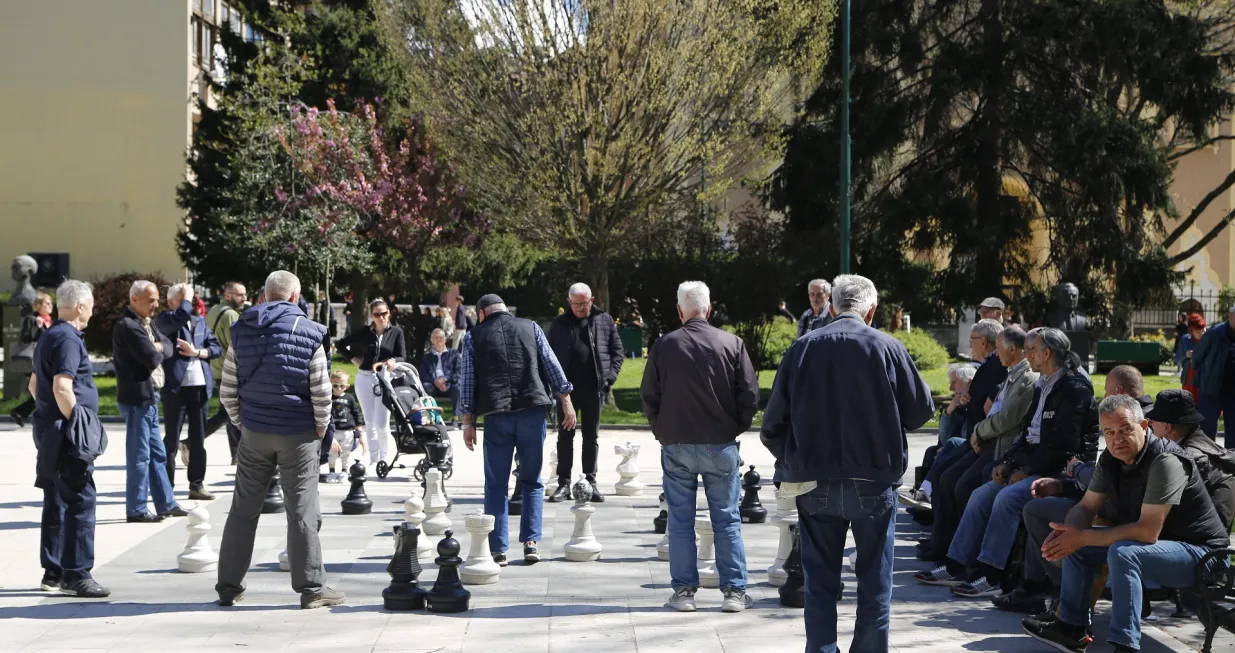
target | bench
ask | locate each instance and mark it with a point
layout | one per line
(1144, 356)
(1214, 594)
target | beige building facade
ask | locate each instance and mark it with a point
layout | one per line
(1195, 177)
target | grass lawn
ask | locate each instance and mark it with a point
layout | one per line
(625, 391)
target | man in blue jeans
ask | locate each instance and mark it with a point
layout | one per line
(841, 403)
(700, 391)
(138, 351)
(508, 372)
(1165, 523)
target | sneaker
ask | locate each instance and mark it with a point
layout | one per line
(200, 494)
(49, 583)
(85, 588)
(322, 599)
(144, 518)
(184, 453)
(735, 600)
(978, 589)
(531, 554)
(938, 576)
(1020, 600)
(915, 499)
(500, 559)
(1057, 635)
(683, 599)
(229, 601)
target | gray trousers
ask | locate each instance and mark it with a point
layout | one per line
(1038, 515)
(295, 457)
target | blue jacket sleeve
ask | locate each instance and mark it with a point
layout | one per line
(913, 396)
(777, 428)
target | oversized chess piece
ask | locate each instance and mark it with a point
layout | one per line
(551, 473)
(357, 502)
(792, 593)
(448, 594)
(751, 510)
(480, 569)
(786, 515)
(404, 591)
(628, 470)
(582, 546)
(660, 523)
(285, 563)
(438, 455)
(435, 504)
(274, 498)
(516, 495)
(708, 576)
(197, 556)
(414, 514)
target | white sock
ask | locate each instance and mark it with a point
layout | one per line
(926, 488)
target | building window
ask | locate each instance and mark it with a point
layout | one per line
(203, 42)
(208, 9)
(197, 6)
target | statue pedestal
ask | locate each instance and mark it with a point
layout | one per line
(15, 369)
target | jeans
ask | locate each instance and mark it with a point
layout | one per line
(956, 485)
(295, 458)
(66, 539)
(825, 514)
(588, 404)
(376, 416)
(988, 529)
(186, 405)
(946, 455)
(146, 461)
(505, 435)
(1211, 407)
(683, 464)
(452, 392)
(1038, 515)
(1132, 564)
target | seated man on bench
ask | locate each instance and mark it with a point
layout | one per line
(1164, 521)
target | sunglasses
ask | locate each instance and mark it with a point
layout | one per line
(338, 385)
(385, 314)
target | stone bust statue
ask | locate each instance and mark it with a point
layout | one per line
(24, 267)
(1065, 316)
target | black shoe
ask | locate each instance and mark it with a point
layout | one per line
(49, 583)
(926, 554)
(500, 559)
(85, 588)
(562, 493)
(1020, 600)
(229, 601)
(596, 497)
(17, 419)
(145, 518)
(1058, 635)
(174, 512)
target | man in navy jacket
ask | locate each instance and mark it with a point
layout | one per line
(1214, 360)
(841, 403)
(440, 373)
(188, 384)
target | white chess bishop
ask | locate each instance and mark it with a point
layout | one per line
(582, 546)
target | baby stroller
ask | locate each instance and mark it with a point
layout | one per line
(416, 422)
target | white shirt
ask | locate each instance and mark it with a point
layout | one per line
(193, 374)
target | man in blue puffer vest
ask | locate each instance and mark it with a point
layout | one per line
(276, 388)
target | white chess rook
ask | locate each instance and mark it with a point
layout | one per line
(662, 547)
(413, 512)
(550, 474)
(582, 546)
(786, 514)
(479, 568)
(197, 556)
(435, 504)
(628, 470)
(708, 576)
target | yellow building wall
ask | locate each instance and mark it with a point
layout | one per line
(94, 125)
(1196, 175)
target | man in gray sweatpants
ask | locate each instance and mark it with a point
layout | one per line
(276, 387)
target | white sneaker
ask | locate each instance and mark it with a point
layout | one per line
(683, 599)
(939, 576)
(735, 601)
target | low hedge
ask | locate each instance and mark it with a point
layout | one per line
(925, 351)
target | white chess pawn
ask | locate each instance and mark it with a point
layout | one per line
(284, 563)
(786, 514)
(197, 556)
(413, 512)
(708, 576)
(628, 470)
(582, 546)
(479, 568)
(550, 474)
(435, 504)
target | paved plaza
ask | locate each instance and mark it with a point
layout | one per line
(612, 605)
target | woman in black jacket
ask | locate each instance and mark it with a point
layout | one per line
(371, 349)
(32, 328)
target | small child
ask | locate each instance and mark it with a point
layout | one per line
(348, 426)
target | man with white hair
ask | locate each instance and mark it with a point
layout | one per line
(586, 343)
(439, 372)
(700, 391)
(63, 383)
(818, 315)
(843, 398)
(188, 384)
(276, 388)
(138, 352)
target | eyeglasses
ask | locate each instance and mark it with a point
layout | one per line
(384, 314)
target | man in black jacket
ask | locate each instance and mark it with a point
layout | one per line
(1174, 417)
(1164, 524)
(138, 350)
(699, 393)
(585, 341)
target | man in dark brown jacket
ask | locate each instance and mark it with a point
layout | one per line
(699, 392)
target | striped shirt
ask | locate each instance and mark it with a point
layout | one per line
(467, 380)
(319, 388)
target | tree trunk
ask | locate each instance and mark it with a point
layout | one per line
(989, 261)
(596, 270)
(359, 305)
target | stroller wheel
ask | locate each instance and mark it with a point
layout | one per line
(448, 470)
(382, 469)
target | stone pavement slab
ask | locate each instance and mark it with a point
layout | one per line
(611, 605)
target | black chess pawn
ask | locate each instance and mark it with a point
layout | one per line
(751, 510)
(274, 498)
(404, 592)
(661, 522)
(448, 594)
(357, 502)
(792, 593)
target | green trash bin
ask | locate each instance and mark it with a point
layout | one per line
(632, 341)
